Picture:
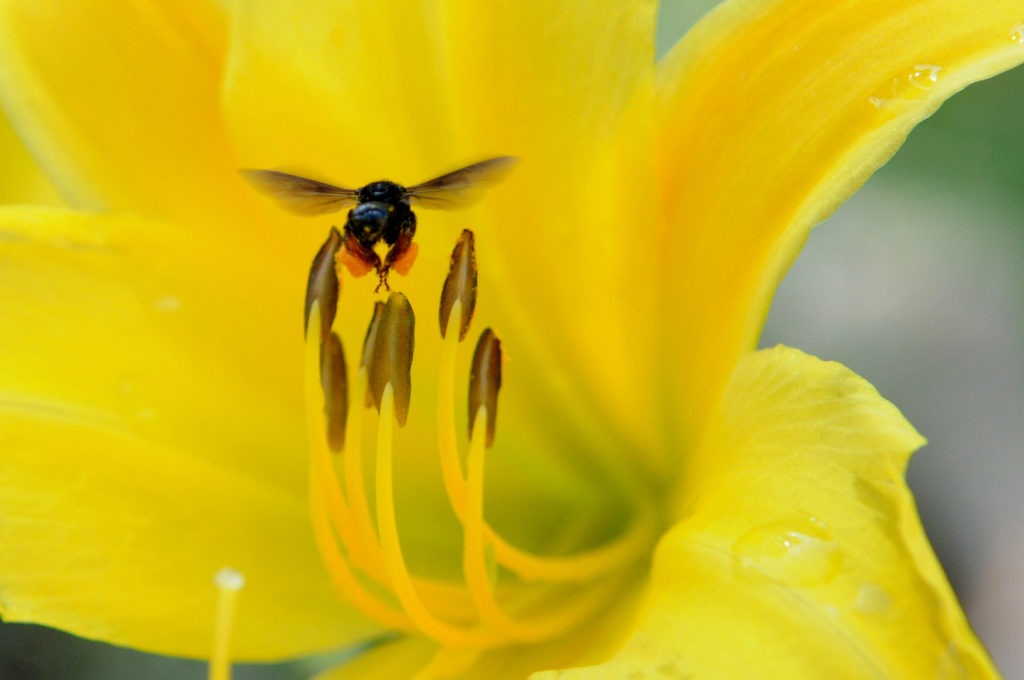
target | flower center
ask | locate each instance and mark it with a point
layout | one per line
(506, 594)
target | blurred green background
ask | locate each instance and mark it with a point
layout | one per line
(917, 285)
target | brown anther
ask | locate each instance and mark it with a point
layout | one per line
(334, 381)
(392, 354)
(369, 347)
(460, 284)
(323, 285)
(485, 381)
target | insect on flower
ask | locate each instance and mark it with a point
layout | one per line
(382, 210)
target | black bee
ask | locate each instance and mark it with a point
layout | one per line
(382, 210)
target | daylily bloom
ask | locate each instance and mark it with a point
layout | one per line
(659, 499)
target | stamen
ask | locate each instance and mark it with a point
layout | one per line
(451, 468)
(354, 483)
(576, 568)
(334, 381)
(322, 285)
(541, 596)
(460, 285)
(485, 381)
(552, 621)
(229, 582)
(392, 354)
(398, 571)
(329, 510)
(370, 349)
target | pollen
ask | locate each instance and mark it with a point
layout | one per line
(505, 594)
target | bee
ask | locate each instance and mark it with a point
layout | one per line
(382, 211)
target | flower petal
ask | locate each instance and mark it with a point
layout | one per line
(21, 179)
(801, 554)
(112, 536)
(184, 340)
(150, 433)
(385, 660)
(772, 113)
(351, 92)
(120, 102)
(408, 89)
(419, 658)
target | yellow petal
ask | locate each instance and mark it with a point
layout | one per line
(120, 102)
(401, 658)
(772, 112)
(421, 659)
(187, 341)
(149, 433)
(801, 553)
(351, 92)
(404, 89)
(110, 535)
(21, 179)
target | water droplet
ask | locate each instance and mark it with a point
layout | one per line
(796, 552)
(167, 303)
(1017, 33)
(912, 85)
(924, 76)
(872, 600)
(879, 102)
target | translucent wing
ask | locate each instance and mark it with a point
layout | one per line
(462, 187)
(300, 195)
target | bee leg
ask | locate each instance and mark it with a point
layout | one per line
(382, 274)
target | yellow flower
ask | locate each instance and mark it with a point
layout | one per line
(660, 500)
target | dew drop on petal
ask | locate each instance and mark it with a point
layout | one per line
(872, 600)
(924, 76)
(797, 552)
(1017, 33)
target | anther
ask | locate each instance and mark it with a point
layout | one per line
(460, 284)
(485, 381)
(323, 285)
(369, 348)
(392, 353)
(334, 381)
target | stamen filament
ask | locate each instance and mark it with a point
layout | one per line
(331, 514)
(530, 629)
(316, 426)
(355, 483)
(229, 582)
(577, 568)
(398, 571)
(451, 467)
(344, 580)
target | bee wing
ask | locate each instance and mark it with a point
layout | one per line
(462, 187)
(299, 195)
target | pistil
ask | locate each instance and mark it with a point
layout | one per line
(229, 583)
